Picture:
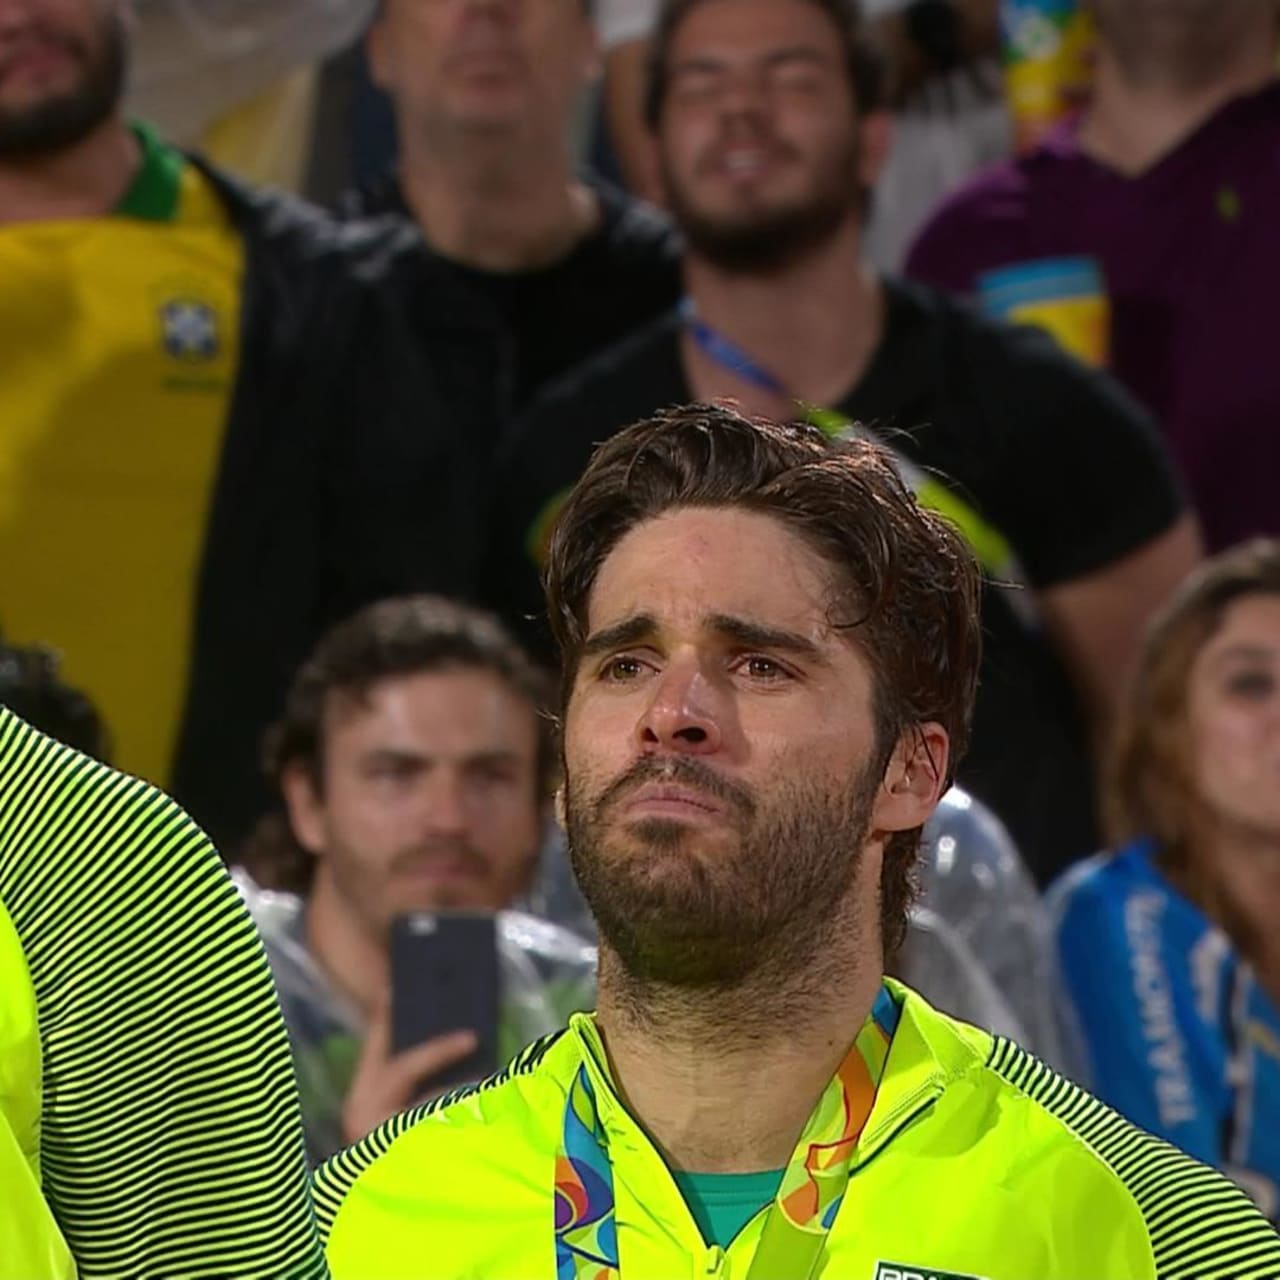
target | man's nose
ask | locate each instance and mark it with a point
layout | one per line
(684, 713)
(444, 807)
(745, 96)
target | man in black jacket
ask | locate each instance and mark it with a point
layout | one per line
(484, 97)
(214, 437)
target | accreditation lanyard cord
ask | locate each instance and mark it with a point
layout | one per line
(808, 1198)
(992, 549)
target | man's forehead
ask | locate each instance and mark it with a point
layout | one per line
(695, 568)
(752, 27)
(445, 705)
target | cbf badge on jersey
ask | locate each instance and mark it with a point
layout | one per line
(190, 330)
(907, 1271)
(195, 322)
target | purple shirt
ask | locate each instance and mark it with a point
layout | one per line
(1189, 256)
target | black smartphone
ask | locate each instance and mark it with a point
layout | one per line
(444, 977)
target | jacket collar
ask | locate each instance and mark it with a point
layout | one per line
(928, 1052)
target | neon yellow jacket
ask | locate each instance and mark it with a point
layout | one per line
(976, 1161)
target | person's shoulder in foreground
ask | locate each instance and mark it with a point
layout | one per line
(1025, 1174)
(158, 1106)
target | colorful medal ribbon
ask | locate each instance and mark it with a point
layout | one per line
(586, 1227)
(809, 1197)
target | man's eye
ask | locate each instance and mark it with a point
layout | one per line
(1252, 684)
(761, 668)
(621, 669)
(797, 79)
(393, 770)
(494, 773)
(696, 86)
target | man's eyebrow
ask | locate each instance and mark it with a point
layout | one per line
(621, 634)
(1244, 649)
(797, 53)
(698, 62)
(756, 635)
(492, 755)
(396, 755)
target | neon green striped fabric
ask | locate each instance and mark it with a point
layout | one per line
(163, 1124)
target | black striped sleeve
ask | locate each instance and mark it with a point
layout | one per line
(333, 1179)
(1201, 1226)
(171, 1136)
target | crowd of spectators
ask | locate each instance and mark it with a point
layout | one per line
(242, 437)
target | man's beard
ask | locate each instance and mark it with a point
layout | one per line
(55, 124)
(768, 901)
(766, 240)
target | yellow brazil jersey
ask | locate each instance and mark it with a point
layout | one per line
(118, 354)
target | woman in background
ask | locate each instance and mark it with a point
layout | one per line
(1168, 948)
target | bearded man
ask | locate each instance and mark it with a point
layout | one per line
(770, 653)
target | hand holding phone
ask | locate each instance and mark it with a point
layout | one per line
(444, 977)
(386, 1083)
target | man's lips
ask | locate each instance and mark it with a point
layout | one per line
(671, 800)
(35, 60)
(486, 61)
(438, 868)
(745, 162)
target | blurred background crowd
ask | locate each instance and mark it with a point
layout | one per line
(311, 312)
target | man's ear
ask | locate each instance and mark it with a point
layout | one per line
(876, 139)
(304, 806)
(914, 779)
(558, 806)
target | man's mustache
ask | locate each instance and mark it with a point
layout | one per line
(38, 37)
(438, 851)
(684, 771)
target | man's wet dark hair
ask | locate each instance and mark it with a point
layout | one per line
(905, 585)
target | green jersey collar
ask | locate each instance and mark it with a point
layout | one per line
(153, 195)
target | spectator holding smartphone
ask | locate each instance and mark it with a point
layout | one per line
(415, 763)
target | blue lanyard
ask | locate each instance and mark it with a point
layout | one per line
(726, 353)
(994, 552)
